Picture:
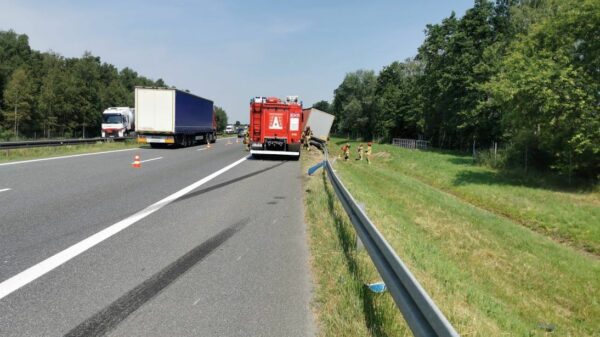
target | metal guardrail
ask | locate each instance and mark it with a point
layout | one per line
(411, 143)
(56, 142)
(420, 312)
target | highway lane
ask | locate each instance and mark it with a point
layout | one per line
(55, 203)
(229, 258)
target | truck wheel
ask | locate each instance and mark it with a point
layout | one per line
(180, 140)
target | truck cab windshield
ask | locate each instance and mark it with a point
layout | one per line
(112, 119)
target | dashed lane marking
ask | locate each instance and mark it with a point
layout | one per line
(147, 160)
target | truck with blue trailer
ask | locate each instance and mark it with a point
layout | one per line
(167, 116)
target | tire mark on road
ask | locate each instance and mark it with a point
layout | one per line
(108, 318)
(229, 182)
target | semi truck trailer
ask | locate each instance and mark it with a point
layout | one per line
(320, 122)
(173, 117)
(275, 126)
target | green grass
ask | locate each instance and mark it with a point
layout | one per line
(567, 215)
(55, 151)
(488, 273)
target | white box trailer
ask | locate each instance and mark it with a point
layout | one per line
(171, 116)
(320, 122)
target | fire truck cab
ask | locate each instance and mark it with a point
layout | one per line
(275, 126)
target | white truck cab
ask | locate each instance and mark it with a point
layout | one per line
(117, 121)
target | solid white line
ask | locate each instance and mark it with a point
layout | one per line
(147, 160)
(62, 157)
(38, 270)
(5, 189)
(201, 149)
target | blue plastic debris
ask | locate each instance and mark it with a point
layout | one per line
(377, 287)
(314, 168)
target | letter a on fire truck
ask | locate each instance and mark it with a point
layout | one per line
(276, 123)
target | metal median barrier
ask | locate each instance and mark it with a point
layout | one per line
(56, 142)
(420, 312)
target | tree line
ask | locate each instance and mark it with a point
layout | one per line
(524, 73)
(43, 94)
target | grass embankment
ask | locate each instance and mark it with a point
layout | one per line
(488, 273)
(56, 151)
(567, 215)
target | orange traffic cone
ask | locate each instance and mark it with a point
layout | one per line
(136, 162)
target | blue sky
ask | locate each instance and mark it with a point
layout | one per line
(231, 50)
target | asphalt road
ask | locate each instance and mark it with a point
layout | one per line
(90, 246)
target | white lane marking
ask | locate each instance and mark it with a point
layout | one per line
(198, 300)
(63, 157)
(5, 189)
(201, 149)
(147, 160)
(29, 275)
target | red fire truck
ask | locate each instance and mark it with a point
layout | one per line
(275, 126)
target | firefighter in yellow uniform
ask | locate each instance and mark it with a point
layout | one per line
(369, 153)
(247, 140)
(360, 152)
(307, 135)
(346, 149)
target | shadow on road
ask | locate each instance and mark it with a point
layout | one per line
(229, 182)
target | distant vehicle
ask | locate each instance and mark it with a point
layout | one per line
(174, 117)
(275, 126)
(241, 132)
(118, 122)
(319, 122)
(229, 129)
